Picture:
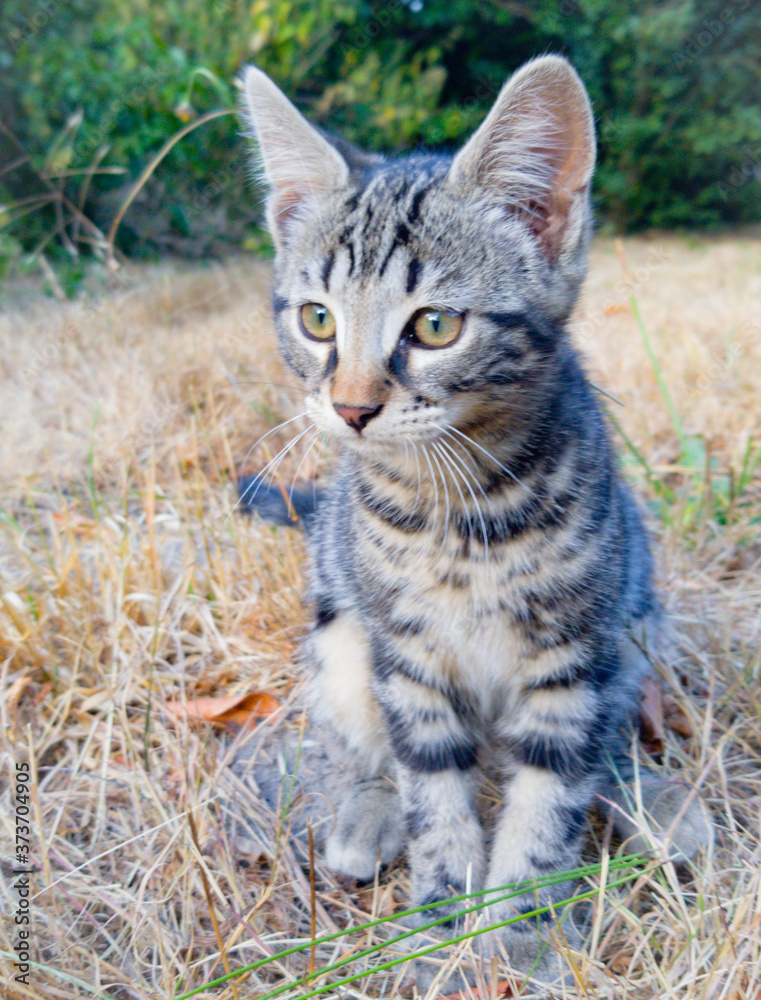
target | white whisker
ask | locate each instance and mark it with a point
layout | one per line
(410, 445)
(269, 470)
(311, 445)
(264, 437)
(454, 469)
(435, 486)
(489, 455)
(466, 481)
(450, 427)
(419, 478)
(405, 442)
(434, 456)
(473, 473)
(320, 459)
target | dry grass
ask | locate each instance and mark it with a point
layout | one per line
(126, 582)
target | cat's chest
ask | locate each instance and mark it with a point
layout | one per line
(482, 654)
(471, 616)
(461, 610)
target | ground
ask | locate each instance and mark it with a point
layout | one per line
(128, 581)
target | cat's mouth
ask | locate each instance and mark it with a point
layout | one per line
(389, 427)
(371, 444)
(420, 448)
(392, 440)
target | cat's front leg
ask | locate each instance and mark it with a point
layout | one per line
(369, 822)
(435, 751)
(553, 748)
(435, 756)
(445, 839)
(435, 744)
(538, 837)
(446, 856)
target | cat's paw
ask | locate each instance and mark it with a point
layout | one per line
(527, 952)
(536, 948)
(447, 859)
(658, 817)
(450, 970)
(369, 829)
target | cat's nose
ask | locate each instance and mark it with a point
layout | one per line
(357, 416)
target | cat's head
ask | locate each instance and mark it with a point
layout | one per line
(425, 292)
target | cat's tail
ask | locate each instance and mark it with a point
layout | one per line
(293, 508)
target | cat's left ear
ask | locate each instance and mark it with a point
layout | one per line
(298, 162)
(535, 153)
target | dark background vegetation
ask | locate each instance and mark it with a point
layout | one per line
(92, 89)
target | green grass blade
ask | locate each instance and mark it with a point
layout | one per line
(579, 897)
(676, 421)
(499, 892)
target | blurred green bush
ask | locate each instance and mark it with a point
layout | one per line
(94, 88)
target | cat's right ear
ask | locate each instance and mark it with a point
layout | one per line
(297, 162)
(535, 153)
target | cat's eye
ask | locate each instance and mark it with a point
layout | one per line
(317, 321)
(435, 327)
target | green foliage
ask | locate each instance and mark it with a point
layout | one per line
(96, 87)
(676, 85)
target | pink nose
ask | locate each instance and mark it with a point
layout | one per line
(357, 416)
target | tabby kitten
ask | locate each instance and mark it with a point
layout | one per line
(478, 565)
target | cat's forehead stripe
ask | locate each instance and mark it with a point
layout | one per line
(413, 275)
(327, 267)
(381, 217)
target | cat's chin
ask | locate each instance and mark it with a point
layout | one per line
(373, 448)
(398, 454)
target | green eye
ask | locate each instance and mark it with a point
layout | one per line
(317, 321)
(435, 327)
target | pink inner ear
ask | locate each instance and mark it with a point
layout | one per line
(535, 151)
(551, 234)
(285, 204)
(547, 214)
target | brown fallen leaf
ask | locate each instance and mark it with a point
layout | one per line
(119, 760)
(241, 711)
(616, 307)
(377, 902)
(660, 712)
(675, 717)
(621, 962)
(43, 692)
(652, 728)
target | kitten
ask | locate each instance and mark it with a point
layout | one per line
(479, 569)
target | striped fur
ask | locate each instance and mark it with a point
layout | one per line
(478, 565)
